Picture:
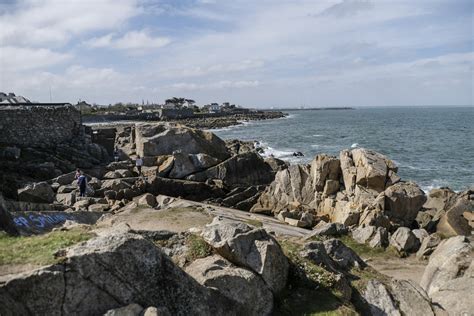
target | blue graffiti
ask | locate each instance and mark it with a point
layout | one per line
(41, 221)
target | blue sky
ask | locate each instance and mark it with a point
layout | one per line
(253, 53)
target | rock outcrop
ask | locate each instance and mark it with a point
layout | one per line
(244, 287)
(449, 275)
(254, 249)
(165, 138)
(240, 170)
(400, 297)
(109, 272)
(40, 192)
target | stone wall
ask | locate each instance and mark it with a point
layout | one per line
(39, 126)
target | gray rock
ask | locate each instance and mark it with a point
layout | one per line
(428, 245)
(164, 138)
(240, 285)
(411, 298)
(243, 169)
(316, 252)
(325, 167)
(348, 169)
(453, 296)
(66, 178)
(147, 199)
(156, 311)
(420, 234)
(290, 185)
(372, 168)
(98, 207)
(328, 229)
(440, 199)
(129, 310)
(40, 192)
(449, 261)
(331, 187)
(379, 300)
(109, 272)
(115, 185)
(404, 240)
(453, 223)
(379, 239)
(403, 201)
(66, 198)
(344, 256)
(251, 248)
(363, 234)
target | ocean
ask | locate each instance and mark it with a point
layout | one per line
(433, 146)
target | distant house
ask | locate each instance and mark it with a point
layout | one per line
(11, 98)
(214, 108)
(83, 106)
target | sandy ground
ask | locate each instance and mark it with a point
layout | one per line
(409, 268)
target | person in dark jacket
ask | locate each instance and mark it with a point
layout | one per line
(82, 183)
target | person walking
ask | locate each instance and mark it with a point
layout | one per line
(116, 154)
(82, 183)
(139, 164)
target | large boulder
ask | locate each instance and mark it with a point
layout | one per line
(186, 164)
(372, 170)
(115, 185)
(40, 192)
(403, 201)
(348, 169)
(344, 256)
(453, 222)
(165, 138)
(404, 240)
(449, 275)
(243, 169)
(254, 249)
(237, 284)
(449, 261)
(439, 199)
(324, 167)
(109, 272)
(428, 245)
(191, 190)
(399, 297)
(290, 185)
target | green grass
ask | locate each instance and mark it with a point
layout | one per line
(310, 289)
(365, 251)
(254, 222)
(197, 248)
(38, 249)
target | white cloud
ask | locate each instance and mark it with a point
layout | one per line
(227, 68)
(54, 22)
(134, 40)
(20, 59)
(225, 84)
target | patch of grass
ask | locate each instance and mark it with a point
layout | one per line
(38, 249)
(310, 289)
(254, 222)
(364, 251)
(197, 248)
(312, 271)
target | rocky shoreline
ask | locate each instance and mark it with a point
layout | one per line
(200, 122)
(212, 227)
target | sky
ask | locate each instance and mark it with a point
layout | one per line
(264, 53)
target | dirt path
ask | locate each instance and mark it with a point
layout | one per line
(409, 268)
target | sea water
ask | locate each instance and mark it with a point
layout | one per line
(433, 146)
